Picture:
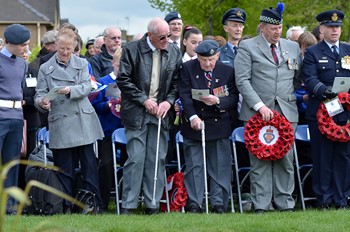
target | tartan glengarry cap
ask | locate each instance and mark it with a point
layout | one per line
(207, 48)
(16, 34)
(234, 14)
(273, 15)
(331, 18)
(171, 16)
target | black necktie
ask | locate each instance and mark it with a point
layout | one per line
(13, 56)
(334, 48)
(274, 55)
(235, 50)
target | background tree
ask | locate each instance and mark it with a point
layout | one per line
(207, 14)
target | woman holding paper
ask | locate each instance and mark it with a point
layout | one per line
(73, 122)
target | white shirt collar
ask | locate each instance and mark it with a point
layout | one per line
(330, 45)
(150, 44)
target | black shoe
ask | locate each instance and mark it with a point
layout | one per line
(324, 207)
(151, 211)
(67, 210)
(193, 208)
(125, 211)
(219, 209)
(260, 211)
(342, 207)
(287, 210)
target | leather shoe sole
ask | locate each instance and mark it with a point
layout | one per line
(150, 211)
(219, 209)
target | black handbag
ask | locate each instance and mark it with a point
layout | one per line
(88, 199)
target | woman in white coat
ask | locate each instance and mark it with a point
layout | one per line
(73, 122)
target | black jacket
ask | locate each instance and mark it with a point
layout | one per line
(101, 63)
(134, 80)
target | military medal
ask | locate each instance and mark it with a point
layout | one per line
(345, 62)
(221, 91)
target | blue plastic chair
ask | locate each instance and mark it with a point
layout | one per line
(118, 136)
(237, 136)
(302, 134)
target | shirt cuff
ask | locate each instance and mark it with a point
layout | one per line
(258, 105)
(193, 117)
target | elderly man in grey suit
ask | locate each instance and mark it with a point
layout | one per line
(264, 77)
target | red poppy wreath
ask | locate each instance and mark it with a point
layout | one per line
(328, 127)
(269, 140)
(177, 192)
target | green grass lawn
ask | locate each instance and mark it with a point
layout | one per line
(309, 220)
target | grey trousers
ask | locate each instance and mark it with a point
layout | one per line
(272, 180)
(219, 161)
(139, 168)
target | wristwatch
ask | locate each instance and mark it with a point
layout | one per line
(218, 101)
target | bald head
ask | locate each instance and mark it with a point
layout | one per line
(157, 24)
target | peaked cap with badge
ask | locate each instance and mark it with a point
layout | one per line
(331, 18)
(234, 14)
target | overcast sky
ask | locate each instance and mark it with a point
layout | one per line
(92, 16)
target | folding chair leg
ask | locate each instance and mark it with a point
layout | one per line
(297, 167)
(116, 178)
(232, 203)
(166, 193)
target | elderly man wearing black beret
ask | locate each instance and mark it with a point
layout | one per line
(13, 71)
(216, 81)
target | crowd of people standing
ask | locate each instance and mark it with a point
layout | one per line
(217, 85)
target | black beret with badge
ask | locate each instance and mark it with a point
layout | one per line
(273, 15)
(207, 48)
(234, 14)
(171, 16)
(16, 34)
(331, 18)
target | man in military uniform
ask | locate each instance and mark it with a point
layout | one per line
(322, 63)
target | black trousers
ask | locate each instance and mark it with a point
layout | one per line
(67, 160)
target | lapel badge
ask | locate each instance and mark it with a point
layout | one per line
(197, 77)
(216, 80)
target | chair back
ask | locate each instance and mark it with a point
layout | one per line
(40, 135)
(302, 133)
(238, 135)
(118, 136)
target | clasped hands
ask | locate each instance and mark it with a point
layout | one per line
(153, 108)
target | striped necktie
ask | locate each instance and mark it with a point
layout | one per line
(209, 78)
(274, 54)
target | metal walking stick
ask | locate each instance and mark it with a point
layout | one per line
(156, 163)
(205, 168)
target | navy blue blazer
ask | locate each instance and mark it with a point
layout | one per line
(320, 67)
(218, 118)
(226, 55)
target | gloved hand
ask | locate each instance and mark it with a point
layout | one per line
(328, 94)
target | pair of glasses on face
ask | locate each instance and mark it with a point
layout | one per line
(115, 38)
(162, 37)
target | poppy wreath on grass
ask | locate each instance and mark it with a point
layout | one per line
(269, 140)
(176, 191)
(328, 127)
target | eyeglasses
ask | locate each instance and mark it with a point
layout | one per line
(114, 38)
(162, 37)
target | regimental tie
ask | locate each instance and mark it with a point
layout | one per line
(274, 54)
(209, 78)
(335, 52)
